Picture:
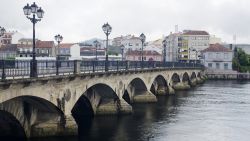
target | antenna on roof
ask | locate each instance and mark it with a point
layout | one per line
(234, 39)
(176, 29)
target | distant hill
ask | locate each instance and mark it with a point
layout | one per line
(90, 41)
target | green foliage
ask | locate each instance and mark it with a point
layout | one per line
(241, 61)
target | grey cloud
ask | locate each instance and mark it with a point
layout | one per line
(79, 20)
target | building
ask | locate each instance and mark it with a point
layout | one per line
(187, 44)
(172, 47)
(130, 42)
(69, 51)
(10, 38)
(43, 48)
(135, 55)
(8, 51)
(217, 58)
(215, 40)
(91, 52)
(154, 46)
(24, 47)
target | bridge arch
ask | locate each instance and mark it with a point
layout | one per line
(33, 113)
(95, 101)
(175, 79)
(185, 78)
(135, 87)
(10, 127)
(159, 86)
(193, 76)
(199, 74)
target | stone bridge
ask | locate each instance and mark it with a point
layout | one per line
(55, 106)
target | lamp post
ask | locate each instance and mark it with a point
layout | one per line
(164, 43)
(107, 30)
(33, 10)
(143, 39)
(96, 43)
(2, 32)
(58, 39)
(122, 49)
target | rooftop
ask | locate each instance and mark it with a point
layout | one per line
(66, 45)
(195, 32)
(145, 52)
(8, 47)
(44, 44)
(217, 48)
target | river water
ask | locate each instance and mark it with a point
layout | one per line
(214, 111)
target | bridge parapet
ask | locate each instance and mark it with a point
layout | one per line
(16, 69)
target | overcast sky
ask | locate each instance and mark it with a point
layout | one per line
(79, 20)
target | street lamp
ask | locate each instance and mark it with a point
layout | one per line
(58, 39)
(122, 49)
(35, 11)
(164, 43)
(2, 31)
(143, 39)
(96, 43)
(107, 30)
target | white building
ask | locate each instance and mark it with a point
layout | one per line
(69, 51)
(217, 58)
(215, 40)
(154, 46)
(130, 42)
(172, 47)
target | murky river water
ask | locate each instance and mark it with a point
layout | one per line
(215, 111)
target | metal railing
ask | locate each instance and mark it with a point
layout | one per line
(16, 69)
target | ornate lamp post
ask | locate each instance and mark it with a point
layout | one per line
(122, 49)
(164, 43)
(107, 30)
(34, 11)
(96, 43)
(2, 31)
(143, 39)
(58, 39)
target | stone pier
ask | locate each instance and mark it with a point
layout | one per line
(181, 86)
(144, 97)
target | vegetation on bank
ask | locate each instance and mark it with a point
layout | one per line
(241, 61)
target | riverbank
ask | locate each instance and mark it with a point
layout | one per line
(228, 76)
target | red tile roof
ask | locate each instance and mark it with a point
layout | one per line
(146, 53)
(217, 48)
(195, 32)
(66, 45)
(44, 44)
(24, 45)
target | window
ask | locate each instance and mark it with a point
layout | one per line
(210, 65)
(225, 55)
(217, 65)
(139, 58)
(225, 66)
(217, 55)
(210, 55)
